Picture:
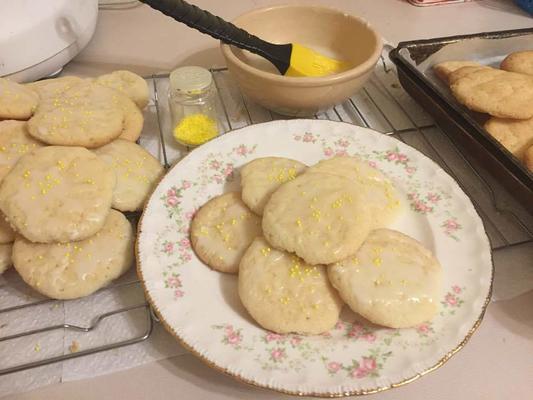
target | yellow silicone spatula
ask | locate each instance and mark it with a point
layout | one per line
(291, 59)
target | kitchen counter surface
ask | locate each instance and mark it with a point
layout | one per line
(495, 364)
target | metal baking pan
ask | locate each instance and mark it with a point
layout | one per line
(414, 60)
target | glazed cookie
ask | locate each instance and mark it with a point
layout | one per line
(375, 189)
(444, 69)
(137, 173)
(77, 269)
(58, 194)
(520, 61)
(392, 280)
(498, 93)
(53, 87)
(16, 101)
(85, 114)
(528, 158)
(262, 176)
(15, 141)
(284, 294)
(515, 135)
(320, 217)
(133, 119)
(130, 84)
(222, 230)
(5, 257)
(7, 234)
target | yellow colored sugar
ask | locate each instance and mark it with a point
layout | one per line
(195, 129)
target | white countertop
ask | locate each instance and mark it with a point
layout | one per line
(495, 364)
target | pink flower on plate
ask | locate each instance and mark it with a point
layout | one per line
(328, 151)
(241, 150)
(402, 158)
(372, 164)
(369, 337)
(214, 164)
(295, 340)
(277, 354)
(171, 193)
(433, 197)
(423, 328)
(190, 215)
(172, 201)
(339, 325)
(451, 299)
(185, 243)
(178, 293)
(228, 329)
(392, 156)
(341, 152)
(456, 289)
(368, 363)
(174, 282)
(234, 338)
(334, 366)
(308, 137)
(218, 179)
(451, 224)
(186, 256)
(273, 336)
(410, 170)
(169, 247)
(359, 373)
(356, 331)
(228, 170)
(186, 184)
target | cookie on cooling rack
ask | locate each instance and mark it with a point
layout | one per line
(133, 119)
(16, 101)
(53, 87)
(128, 83)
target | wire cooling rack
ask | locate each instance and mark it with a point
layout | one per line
(381, 105)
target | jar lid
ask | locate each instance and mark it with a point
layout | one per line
(190, 79)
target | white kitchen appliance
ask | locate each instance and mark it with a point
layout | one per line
(37, 38)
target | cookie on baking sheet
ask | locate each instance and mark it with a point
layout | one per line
(15, 141)
(58, 194)
(222, 230)
(133, 119)
(16, 100)
(444, 69)
(463, 71)
(528, 158)
(7, 234)
(498, 93)
(320, 217)
(137, 173)
(262, 176)
(520, 61)
(77, 269)
(392, 280)
(85, 114)
(5, 257)
(284, 294)
(128, 83)
(515, 135)
(375, 189)
(53, 87)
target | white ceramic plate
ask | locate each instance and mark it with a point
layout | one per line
(201, 307)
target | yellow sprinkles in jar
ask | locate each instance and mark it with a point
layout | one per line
(195, 129)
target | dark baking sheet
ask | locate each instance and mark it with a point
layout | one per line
(414, 60)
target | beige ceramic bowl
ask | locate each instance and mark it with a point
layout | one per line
(331, 32)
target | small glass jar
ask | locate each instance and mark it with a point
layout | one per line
(192, 102)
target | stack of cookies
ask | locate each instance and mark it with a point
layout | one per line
(304, 240)
(505, 94)
(69, 167)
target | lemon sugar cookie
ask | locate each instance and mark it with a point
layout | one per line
(128, 83)
(5, 257)
(16, 100)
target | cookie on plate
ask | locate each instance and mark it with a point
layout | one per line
(222, 230)
(498, 93)
(58, 194)
(284, 294)
(15, 141)
(320, 217)
(5, 257)
(515, 135)
(375, 189)
(392, 280)
(77, 269)
(128, 83)
(444, 69)
(85, 114)
(133, 119)
(262, 176)
(16, 100)
(528, 158)
(53, 87)
(520, 61)
(137, 173)
(7, 234)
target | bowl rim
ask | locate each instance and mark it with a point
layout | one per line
(354, 72)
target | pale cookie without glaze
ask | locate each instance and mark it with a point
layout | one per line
(463, 71)
(15, 141)
(77, 269)
(7, 234)
(284, 294)
(58, 194)
(515, 135)
(5, 257)
(318, 216)
(499, 93)
(392, 280)
(520, 61)
(128, 83)
(528, 158)
(86, 114)
(375, 189)
(133, 119)
(53, 87)
(262, 176)
(16, 101)
(444, 69)
(137, 173)
(222, 230)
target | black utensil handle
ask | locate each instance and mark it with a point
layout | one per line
(218, 28)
